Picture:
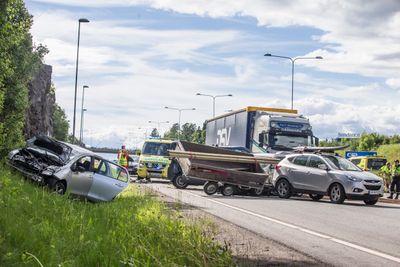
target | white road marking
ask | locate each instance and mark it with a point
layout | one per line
(310, 232)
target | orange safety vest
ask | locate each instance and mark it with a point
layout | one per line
(123, 157)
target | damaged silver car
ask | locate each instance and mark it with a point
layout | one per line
(66, 167)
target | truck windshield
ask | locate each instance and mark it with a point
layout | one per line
(376, 164)
(290, 141)
(156, 149)
(341, 163)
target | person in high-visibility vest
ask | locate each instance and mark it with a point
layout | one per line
(395, 180)
(123, 157)
(386, 171)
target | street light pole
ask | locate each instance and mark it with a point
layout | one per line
(179, 119)
(82, 20)
(83, 100)
(213, 97)
(293, 60)
(81, 137)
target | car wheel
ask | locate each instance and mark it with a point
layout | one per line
(371, 202)
(336, 194)
(316, 197)
(180, 182)
(228, 190)
(283, 188)
(60, 187)
(257, 191)
(210, 188)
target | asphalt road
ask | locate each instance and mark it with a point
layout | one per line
(341, 235)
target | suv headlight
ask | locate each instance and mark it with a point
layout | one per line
(353, 179)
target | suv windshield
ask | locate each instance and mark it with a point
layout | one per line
(156, 149)
(341, 163)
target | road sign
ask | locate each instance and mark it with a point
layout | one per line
(350, 154)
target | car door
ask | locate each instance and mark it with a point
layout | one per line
(109, 180)
(81, 177)
(298, 172)
(317, 179)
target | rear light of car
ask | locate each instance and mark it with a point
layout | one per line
(277, 167)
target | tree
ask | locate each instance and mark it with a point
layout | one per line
(188, 130)
(173, 132)
(60, 124)
(155, 133)
(19, 60)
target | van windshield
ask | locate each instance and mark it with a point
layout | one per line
(376, 164)
(156, 149)
(341, 163)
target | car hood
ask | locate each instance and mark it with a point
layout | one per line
(61, 150)
(154, 159)
(361, 175)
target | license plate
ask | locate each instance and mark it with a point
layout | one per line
(156, 175)
(374, 192)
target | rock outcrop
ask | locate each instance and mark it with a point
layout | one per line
(41, 103)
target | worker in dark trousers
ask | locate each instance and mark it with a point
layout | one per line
(395, 180)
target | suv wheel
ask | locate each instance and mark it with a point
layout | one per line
(371, 201)
(180, 182)
(210, 188)
(316, 197)
(336, 193)
(283, 188)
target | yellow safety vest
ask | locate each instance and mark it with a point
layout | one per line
(123, 159)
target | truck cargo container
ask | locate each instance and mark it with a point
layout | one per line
(261, 130)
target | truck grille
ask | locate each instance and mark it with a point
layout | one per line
(372, 187)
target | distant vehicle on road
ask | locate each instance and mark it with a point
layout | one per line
(133, 164)
(261, 130)
(324, 174)
(66, 167)
(154, 161)
(369, 163)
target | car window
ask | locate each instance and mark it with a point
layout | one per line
(84, 162)
(113, 171)
(100, 166)
(300, 160)
(315, 161)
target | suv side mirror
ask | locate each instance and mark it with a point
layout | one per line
(323, 167)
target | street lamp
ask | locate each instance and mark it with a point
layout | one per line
(180, 113)
(158, 124)
(82, 20)
(82, 109)
(81, 137)
(213, 97)
(293, 60)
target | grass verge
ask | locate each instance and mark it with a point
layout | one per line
(38, 227)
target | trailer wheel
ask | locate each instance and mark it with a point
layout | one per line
(210, 188)
(257, 191)
(228, 190)
(180, 182)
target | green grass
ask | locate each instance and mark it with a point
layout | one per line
(133, 230)
(391, 152)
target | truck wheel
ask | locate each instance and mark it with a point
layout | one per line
(210, 188)
(371, 202)
(336, 193)
(180, 182)
(228, 190)
(283, 188)
(316, 197)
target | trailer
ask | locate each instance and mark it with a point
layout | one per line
(220, 170)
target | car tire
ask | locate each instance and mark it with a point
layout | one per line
(180, 182)
(210, 188)
(60, 187)
(337, 194)
(316, 197)
(283, 188)
(257, 191)
(371, 202)
(228, 190)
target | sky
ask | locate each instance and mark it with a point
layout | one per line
(138, 56)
